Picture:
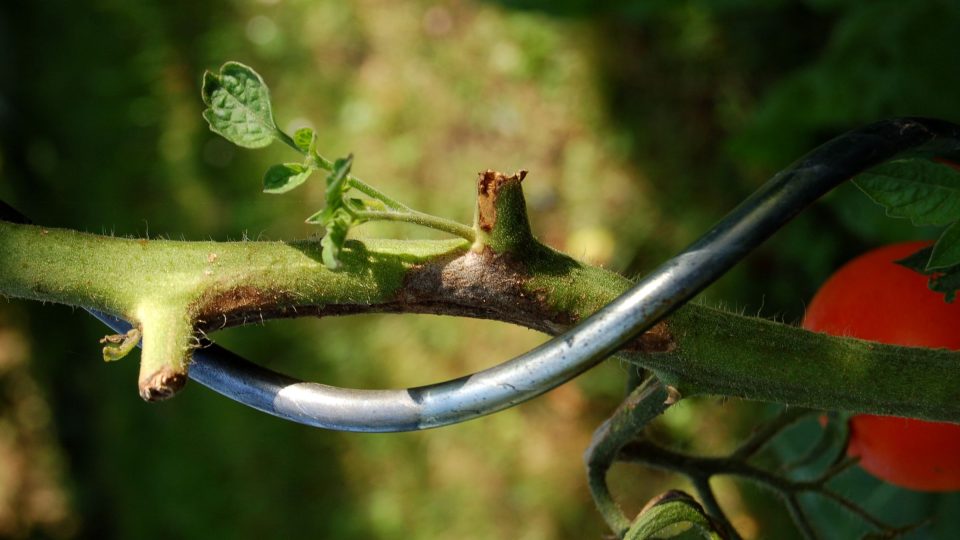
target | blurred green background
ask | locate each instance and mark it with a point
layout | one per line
(641, 123)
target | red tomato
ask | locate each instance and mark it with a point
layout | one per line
(874, 299)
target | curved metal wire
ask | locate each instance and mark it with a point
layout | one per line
(569, 354)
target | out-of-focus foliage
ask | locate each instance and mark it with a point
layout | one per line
(641, 124)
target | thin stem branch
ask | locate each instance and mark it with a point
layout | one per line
(354, 182)
(375, 193)
(834, 431)
(288, 140)
(642, 405)
(771, 429)
(700, 469)
(854, 509)
(800, 518)
(419, 218)
(712, 506)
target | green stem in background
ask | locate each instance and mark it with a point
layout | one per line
(507, 276)
(288, 140)
(700, 469)
(397, 210)
(419, 218)
(325, 164)
(376, 194)
(644, 403)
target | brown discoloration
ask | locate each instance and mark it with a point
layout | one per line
(673, 396)
(488, 187)
(481, 285)
(162, 384)
(220, 309)
(658, 339)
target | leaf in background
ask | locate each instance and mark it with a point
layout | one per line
(926, 192)
(239, 106)
(946, 252)
(945, 281)
(284, 177)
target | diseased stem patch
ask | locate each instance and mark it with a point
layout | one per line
(488, 190)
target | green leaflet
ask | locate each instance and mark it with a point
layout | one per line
(305, 139)
(946, 252)
(336, 216)
(927, 193)
(942, 280)
(332, 242)
(238, 106)
(284, 177)
(337, 186)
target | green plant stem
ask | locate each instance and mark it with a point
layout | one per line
(765, 434)
(701, 469)
(703, 350)
(800, 518)
(504, 275)
(375, 193)
(419, 218)
(356, 183)
(643, 404)
(288, 140)
(712, 506)
(721, 353)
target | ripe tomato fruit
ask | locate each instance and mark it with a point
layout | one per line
(875, 299)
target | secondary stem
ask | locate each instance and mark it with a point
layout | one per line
(375, 193)
(419, 218)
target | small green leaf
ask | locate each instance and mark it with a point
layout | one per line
(335, 216)
(305, 139)
(337, 185)
(238, 106)
(946, 252)
(119, 345)
(926, 192)
(332, 242)
(337, 179)
(284, 177)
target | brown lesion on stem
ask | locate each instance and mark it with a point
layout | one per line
(162, 384)
(501, 222)
(658, 339)
(489, 186)
(496, 279)
(484, 285)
